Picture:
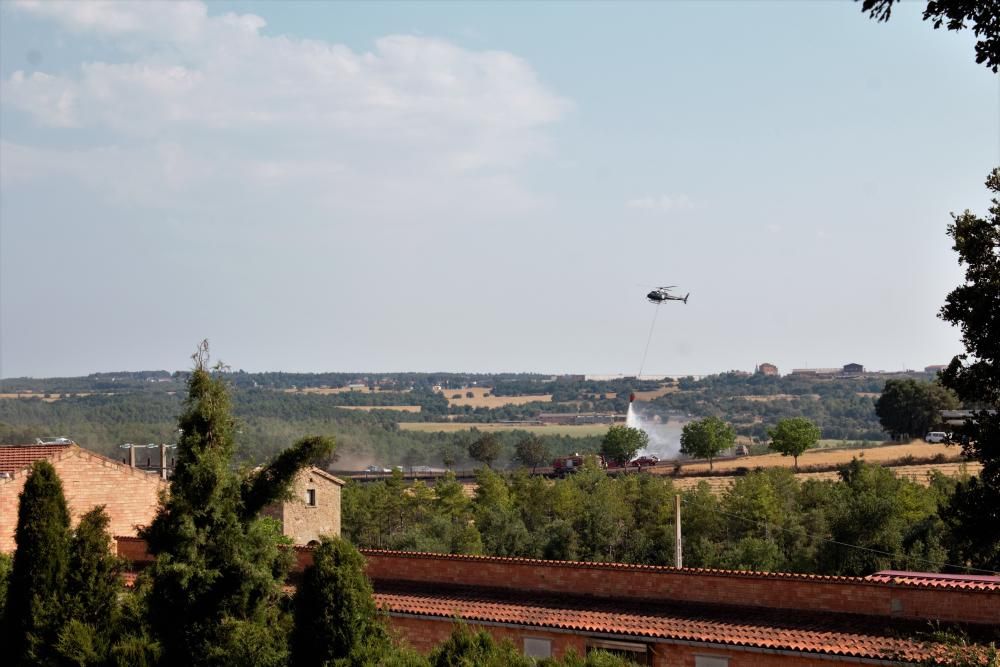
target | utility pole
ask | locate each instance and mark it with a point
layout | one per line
(678, 550)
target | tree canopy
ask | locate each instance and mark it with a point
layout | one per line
(621, 443)
(974, 307)
(706, 438)
(979, 15)
(793, 436)
(216, 594)
(912, 408)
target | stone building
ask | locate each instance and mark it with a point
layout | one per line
(314, 508)
(129, 495)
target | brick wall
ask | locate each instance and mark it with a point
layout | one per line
(426, 634)
(129, 495)
(839, 594)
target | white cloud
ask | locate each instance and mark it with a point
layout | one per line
(202, 99)
(663, 203)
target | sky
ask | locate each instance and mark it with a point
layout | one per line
(482, 187)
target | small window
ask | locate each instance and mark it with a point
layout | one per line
(537, 648)
(710, 661)
(311, 497)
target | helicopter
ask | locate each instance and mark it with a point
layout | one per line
(661, 294)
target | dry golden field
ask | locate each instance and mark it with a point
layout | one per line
(51, 398)
(656, 393)
(577, 430)
(825, 457)
(778, 397)
(915, 473)
(325, 391)
(369, 408)
(482, 397)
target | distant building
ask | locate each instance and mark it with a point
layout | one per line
(767, 369)
(817, 372)
(853, 369)
(314, 508)
(935, 368)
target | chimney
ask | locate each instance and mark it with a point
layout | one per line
(131, 456)
(163, 460)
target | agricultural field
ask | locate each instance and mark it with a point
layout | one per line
(369, 408)
(572, 430)
(327, 391)
(482, 397)
(656, 393)
(915, 473)
(767, 398)
(829, 457)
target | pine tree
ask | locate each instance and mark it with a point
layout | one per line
(93, 589)
(335, 615)
(216, 595)
(38, 577)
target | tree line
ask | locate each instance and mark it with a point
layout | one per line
(214, 595)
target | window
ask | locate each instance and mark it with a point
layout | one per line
(634, 651)
(537, 648)
(311, 497)
(710, 661)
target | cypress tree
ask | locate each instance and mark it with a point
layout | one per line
(37, 581)
(216, 584)
(335, 614)
(93, 590)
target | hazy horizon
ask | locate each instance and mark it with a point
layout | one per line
(482, 187)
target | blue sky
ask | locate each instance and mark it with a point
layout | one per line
(482, 186)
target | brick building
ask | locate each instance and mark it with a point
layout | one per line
(129, 495)
(663, 616)
(767, 369)
(314, 508)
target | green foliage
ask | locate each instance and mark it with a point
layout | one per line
(468, 648)
(621, 443)
(531, 452)
(767, 520)
(37, 581)
(335, 615)
(908, 407)
(5, 565)
(216, 594)
(974, 514)
(706, 438)
(485, 449)
(93, 587)
(793, 436)
(979, 15)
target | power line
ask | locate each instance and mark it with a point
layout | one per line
(937, 564)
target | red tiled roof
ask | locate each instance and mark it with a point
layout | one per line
(19, 457)
(844, 635)
(972, 582)
(908, 579)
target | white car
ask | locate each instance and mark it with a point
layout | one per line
(936, 436)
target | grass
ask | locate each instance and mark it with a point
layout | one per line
(573, 430)
(482, 397)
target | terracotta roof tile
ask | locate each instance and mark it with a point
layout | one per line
(837, 634)
(970, 582)
(907, 579)
(18, 457)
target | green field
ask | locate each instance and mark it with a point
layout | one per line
(573, 430)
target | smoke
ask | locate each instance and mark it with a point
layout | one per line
(664, 434)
